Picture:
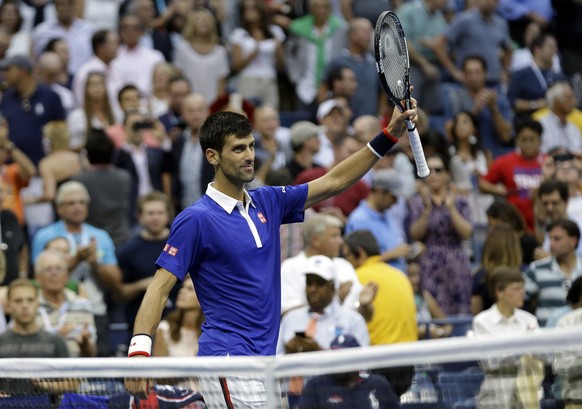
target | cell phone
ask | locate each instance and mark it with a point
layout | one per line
(563, 157)
(146, 124)
(300, 334)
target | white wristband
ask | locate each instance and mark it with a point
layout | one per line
(141, 344)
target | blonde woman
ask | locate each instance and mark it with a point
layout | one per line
(96, 111)
(200, 56)
(158, 101)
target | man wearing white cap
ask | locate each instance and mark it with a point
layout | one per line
(330, 116)
(314, 326)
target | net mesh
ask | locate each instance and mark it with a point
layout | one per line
(393, 55)
(534, 370)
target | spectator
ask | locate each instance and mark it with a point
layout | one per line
(519, 13)
(95, 111)
(77, 32)
(552, 205)
(104, 44)
(371, 214)
(95, 264)
(50, 71)
(272, 140)
(124, 68)
(192, 172)
(61, 245)
(149, 167)
(522, 57)
(427, 308)
(177, 334)
(16, 170)
(201, 58)
(62, 311)
(138, 255)
(11, 20)
(158, 102)
(515, 174)
(476, 31)
(504, 318)
(501, 248)
(323, 318)
(527, 86)
(14, 260)
(548, 279)
(305, 144)
(178, 89)
(61, 163)
(491, 107)
(348, 390)
(60, 47)
(501, 211)
(33, 14)
(368, 96)
(392, 316)
(340, 81)
(109, 209)
(573, 301)
(559, 131)
(321, 237)
(314, 39)
(368, 9)
(423, 21)
(26, 339)
(442, 220)
(156, 36)
(257, 53)
(28, 106)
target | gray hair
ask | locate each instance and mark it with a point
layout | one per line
(71, 187)
(49, 253)
(317, 224)
(556, 91)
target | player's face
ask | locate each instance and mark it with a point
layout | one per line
(23, 305)
(154, 217)
(237, 159)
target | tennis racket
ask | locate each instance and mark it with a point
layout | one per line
(393, 69)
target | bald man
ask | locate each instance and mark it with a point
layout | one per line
(50, 69)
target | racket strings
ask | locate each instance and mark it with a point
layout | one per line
(393, 61)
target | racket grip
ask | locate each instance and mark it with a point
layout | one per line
(417, 151)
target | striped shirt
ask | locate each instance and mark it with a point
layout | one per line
(545, 280)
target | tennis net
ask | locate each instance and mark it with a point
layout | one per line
(537, 370)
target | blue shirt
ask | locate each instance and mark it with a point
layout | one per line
(384, 230)
(232, 253)
(26, 117)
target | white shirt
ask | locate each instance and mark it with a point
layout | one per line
(104, 14)
(324, 156)
(135, 66)
(93, 65)
(557, 133)
(264, 64)
(66, 95)
(491, 322)
(77, 123)
(20, 43)
(139, 156)
(293, 281)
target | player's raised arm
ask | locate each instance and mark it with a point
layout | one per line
(351, 169)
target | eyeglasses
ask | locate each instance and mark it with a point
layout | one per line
(26, 107)
(74, 202)
(438, 169)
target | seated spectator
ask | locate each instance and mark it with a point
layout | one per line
(349, 390)
(322, 235)
(330, 115)
(503, 318)
(501, 211)
(305, 144)
(551, 205)
(61, 311)
(61, 245)
(314, 326)
(574, 301)
(427, 307)
(548, 279)
(515, 174)
(272, 141)
(501, 248)
(442, 221)
(391, 314)
(559, 130)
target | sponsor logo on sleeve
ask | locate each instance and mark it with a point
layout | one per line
(171, 250)
(261, 217)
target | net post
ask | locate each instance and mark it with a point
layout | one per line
(271, 387)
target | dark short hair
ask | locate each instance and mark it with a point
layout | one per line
(502, 276)
(99, 147)
(549, 186)
(362, 239)
(156, 196)
(179, 78)
(529, 124)
(52, 44)
(570, 226)
(336, 74)
(507, 213)
(539, 41)
(220, 126)
(124, 89)
(475, 57)
(575, 292)
(98, 39)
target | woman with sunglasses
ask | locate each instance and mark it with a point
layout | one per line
(442, 221)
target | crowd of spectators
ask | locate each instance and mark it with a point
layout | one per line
(102, 103)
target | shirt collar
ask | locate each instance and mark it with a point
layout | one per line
(226, 202)
(498, 318)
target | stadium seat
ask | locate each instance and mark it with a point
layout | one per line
(459, 389)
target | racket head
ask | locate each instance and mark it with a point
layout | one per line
(392, 62)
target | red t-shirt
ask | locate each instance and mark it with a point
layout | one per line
(519, 175)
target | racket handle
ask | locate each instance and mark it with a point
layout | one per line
(417, 151)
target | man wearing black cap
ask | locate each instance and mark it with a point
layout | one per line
(27, 106)
(348, 390)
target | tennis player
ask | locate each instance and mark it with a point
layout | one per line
(229, 242)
